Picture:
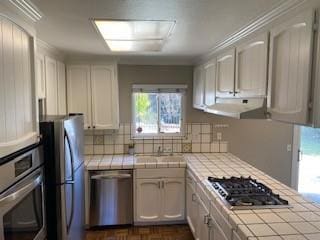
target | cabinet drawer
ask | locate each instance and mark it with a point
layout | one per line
(203, 196)
(160, 173)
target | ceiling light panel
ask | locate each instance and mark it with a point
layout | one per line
(123, 35)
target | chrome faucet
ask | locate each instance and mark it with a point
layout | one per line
(159, 151)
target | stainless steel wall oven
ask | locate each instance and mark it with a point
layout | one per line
(22, 196)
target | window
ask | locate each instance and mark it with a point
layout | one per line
(158, 110)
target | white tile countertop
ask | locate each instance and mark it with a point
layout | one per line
(300, 222)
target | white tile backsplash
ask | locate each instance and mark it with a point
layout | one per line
(198, 135)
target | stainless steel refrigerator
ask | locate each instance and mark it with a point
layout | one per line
(63, 141)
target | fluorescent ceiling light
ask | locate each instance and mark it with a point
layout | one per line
(28, 8)
(133, 35)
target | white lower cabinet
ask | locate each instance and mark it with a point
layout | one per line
(159, 199)
(216, 232)
(148, 204)
(192, 206)
(203, 221)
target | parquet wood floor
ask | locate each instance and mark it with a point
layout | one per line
(166, 232)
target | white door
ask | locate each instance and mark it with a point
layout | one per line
(79, 92)
(198, 87)
(203, 218)
(173, 199)
(40, 76)
(225, 74)
(148, 200)
(51, 86)
(210, 83)
(105, 103)
(61, 78)
(190, 208)
(251, 67)
(290, 69)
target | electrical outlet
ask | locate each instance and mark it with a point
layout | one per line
(219, 136)
(289, 147)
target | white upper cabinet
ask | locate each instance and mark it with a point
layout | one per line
(225, 74)
(251, 67)
(210, 82)
(51, 86)
(93, 91)
(105, 99)
(18, 127)
(79, 92)
(198, 87)
(61, 85)
(174, 199)
(40, 76)
(290, 69)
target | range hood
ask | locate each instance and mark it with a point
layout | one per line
(240, 108)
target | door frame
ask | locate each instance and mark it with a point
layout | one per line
(295, 156)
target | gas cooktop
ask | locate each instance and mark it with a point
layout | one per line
(246, 193)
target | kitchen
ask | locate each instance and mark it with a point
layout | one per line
(157, 119)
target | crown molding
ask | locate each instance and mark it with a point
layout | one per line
(49, 49)
(283, 8)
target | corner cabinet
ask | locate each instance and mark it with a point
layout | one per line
(18, 127)
(93, 91)
(198, 87)
(210, 83)
(251, 67)
(51, 86)
(290, 69)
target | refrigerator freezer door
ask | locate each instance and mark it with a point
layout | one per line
(72, 207)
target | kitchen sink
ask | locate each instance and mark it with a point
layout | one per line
(154, 158)
(146, 159)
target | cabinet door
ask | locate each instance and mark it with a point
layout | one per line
(210, 83)
(17, 100)
(216, 232)
(40, 76)
(79, 92)
(51, 86)
(148, 200)
(225, 74)
(190, 208)
(198, 87)
(61, 78)
(105, 103)
(173, 199)
(251, 67)
(290, 69)
(203, 217)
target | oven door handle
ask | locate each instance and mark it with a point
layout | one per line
(22, 191)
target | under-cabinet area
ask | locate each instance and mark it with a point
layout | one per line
(159, 120)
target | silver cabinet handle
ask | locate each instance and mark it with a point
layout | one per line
(194, 197)
(17, 194)
(206, 219)
(111, 176)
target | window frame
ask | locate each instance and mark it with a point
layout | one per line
(159, 88)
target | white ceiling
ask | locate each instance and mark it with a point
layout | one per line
(200, 23)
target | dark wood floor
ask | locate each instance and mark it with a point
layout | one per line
(172, 232)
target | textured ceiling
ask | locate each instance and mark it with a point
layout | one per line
(200, 23)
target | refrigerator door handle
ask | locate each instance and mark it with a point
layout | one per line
(71, 156)
(72, 181)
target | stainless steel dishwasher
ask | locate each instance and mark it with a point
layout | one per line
(111, 198)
